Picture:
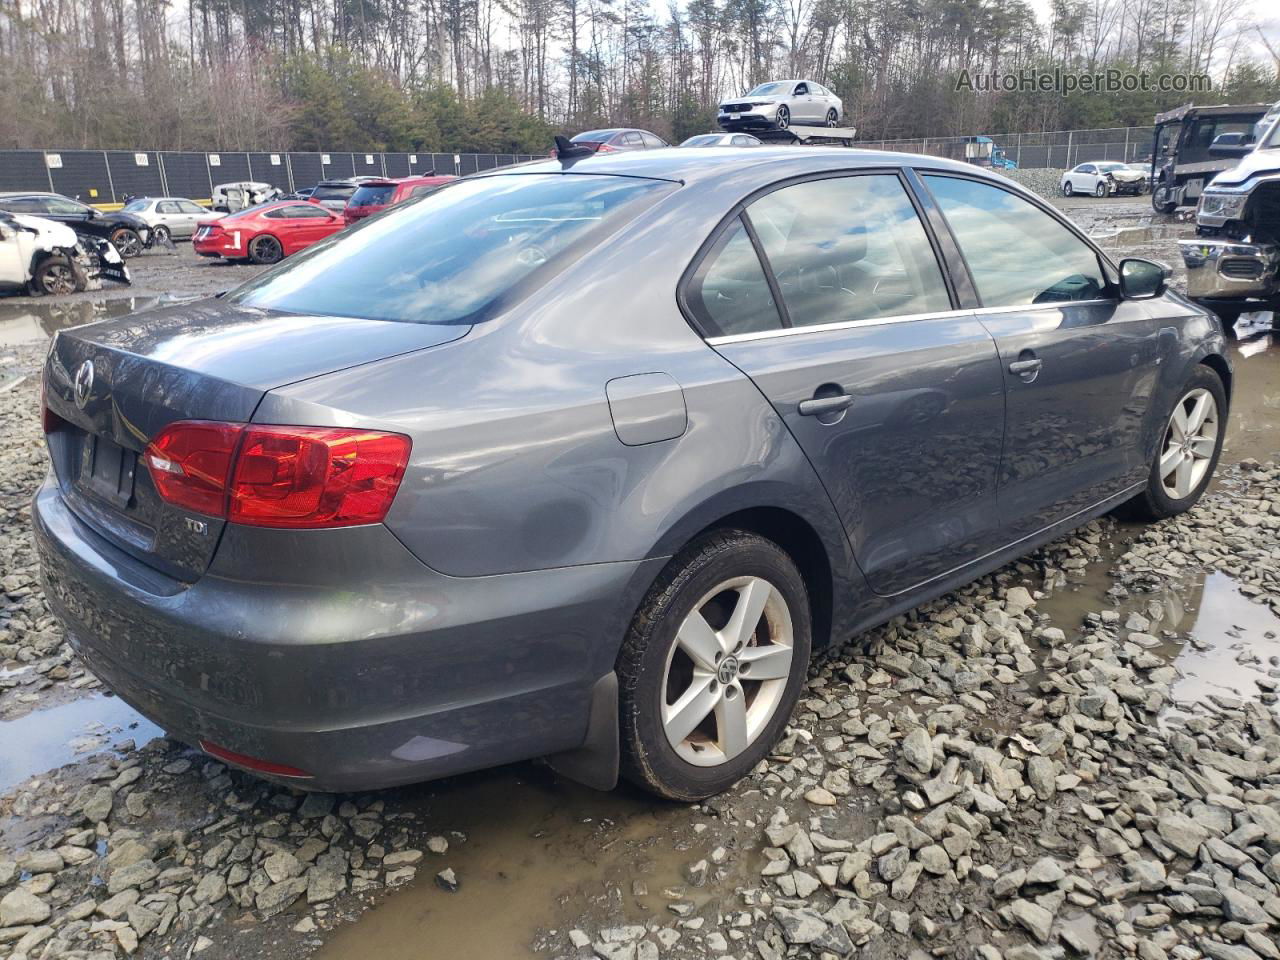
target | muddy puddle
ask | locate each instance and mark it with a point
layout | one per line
(28, 321)
(1219, 640)
(535, 854)
(44, 740)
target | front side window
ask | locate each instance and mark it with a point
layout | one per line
(62, 207)
(167, 206)
(456, 255)
(1018, 254)
(729, 293)
(848, 248)
(802, 90)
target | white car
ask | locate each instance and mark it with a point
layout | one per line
(1102, 178)
(44, 257)
(171, 217)
(781, 103)
(234, 197)
(722, 140)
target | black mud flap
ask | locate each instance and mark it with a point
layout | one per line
(595, 763)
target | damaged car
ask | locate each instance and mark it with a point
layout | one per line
(129, 234)
(1233, 263)
(40, 256)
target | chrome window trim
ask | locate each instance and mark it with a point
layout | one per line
(839, 325)
(975, 312)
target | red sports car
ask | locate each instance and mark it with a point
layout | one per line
(374, 195)
(268, 232)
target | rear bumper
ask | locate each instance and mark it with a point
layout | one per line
(389, 673)
(1227, 269)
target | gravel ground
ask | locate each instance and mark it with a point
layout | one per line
(1078, 755)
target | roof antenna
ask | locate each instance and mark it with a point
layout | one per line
(566, 149)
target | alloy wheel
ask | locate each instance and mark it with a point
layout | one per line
(727, 671)
(127, 243)
(784, 118)
(1100, 190)
(160, 234)
(832, 118)
(58, 278)
(266, 249)
(1066, 189)
(1189, 443)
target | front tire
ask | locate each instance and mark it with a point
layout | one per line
(54, 276)
(712, 665)
(265, 249)
(127, 242)
(1100, 190)
(1067, 190)
(1189, 449)
(1160, 201)
(784, 118)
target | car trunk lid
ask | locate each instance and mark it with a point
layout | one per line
(114, 385)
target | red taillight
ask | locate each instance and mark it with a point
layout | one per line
(275, 476)
(252, 763)
(316, 476)
(605, 148)
(190, 463)
(49, 420)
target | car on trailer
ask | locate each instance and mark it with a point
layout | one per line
(779, 104)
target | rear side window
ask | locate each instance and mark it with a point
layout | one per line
(651, 141)
(1017, 254)
(729, 294)
(456, 255)
(372, 195)
(848, 248)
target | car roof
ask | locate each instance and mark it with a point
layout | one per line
(34, 193)
(771, 163)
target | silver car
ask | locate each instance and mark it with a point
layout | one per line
(722, 140)
(171, 216)
(781, 103)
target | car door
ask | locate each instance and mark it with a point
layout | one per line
(1079, 363)
(13, 263)
(845, 323)
(802, 104)
(305, 224)
(1085, 179)
(166, 214)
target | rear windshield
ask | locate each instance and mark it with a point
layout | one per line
(372, 195)
(133, 206)
(456, 254)
(336, 192)
(705, 140)
(593, 136)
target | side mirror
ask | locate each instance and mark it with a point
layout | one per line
(1142, 279)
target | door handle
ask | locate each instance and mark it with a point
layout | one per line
(821, 406)
(1023, 367)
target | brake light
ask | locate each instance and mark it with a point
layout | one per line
(252, 763)
(316, 476)
(190, 464)
(49, 420)
(605, 148)
(278, 476)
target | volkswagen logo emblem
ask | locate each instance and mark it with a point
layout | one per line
(727, 670)
(83, 385)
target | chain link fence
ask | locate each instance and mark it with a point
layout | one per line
(105, 177)
(1057, 150)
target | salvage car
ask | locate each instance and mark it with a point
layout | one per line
(1183, 158)
(129, 234)
(412, 503)
(1233, 263)
(268, 232)
(617, 139)
(241, 194)
(41, 256)
(1103, 178)
(374, 196)
(723, 140)
(171, 217)
(780, 103)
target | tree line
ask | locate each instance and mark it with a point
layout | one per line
(505, 75)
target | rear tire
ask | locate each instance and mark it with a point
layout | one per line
(712, 665)
(160, 234)
(833, 118)
(265, 249)
(1190, 445)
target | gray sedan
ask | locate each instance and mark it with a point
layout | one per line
(781, 103)
(583, 459)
